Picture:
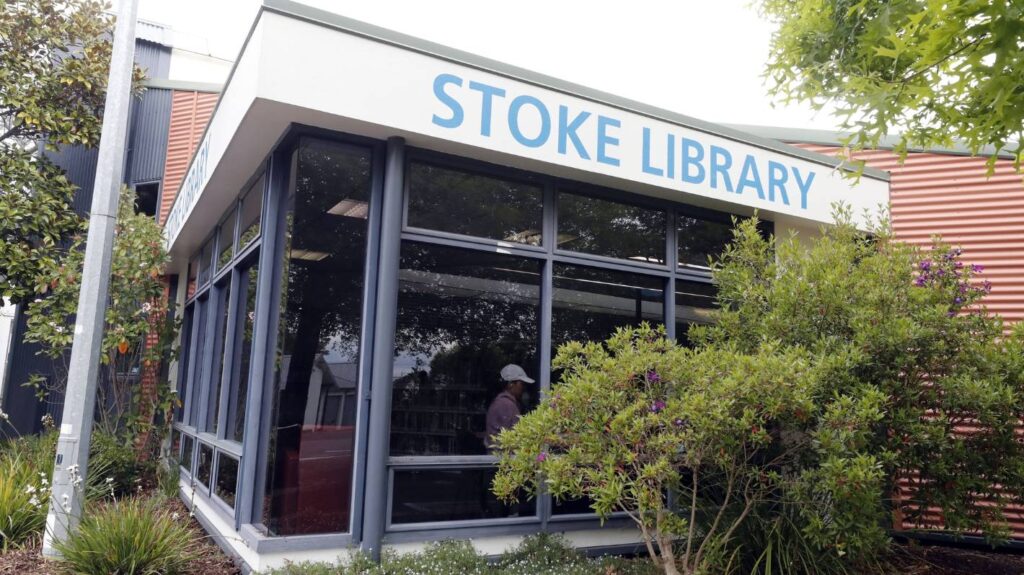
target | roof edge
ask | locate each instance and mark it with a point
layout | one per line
(373, 32)
(834, 138)
(184, 85)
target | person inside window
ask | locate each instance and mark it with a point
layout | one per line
(506, 407)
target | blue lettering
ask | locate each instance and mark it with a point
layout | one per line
(749, 177)
(670, 156)
(513, 121)
(721, 161)
(487, 94)
(804, 186)
(777, 176)
(647, 155)
(693, 154)
(439, 83)
(567, 131)
(604, 140)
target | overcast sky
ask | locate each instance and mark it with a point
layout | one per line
(703, 58)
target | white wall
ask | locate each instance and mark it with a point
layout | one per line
(6, 332)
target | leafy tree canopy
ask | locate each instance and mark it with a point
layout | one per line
(933, 72)
(54, 58)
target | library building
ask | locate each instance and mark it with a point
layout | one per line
(379, 245)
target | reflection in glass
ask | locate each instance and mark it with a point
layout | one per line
(226, 240)
(462, 316)
(473, 204)
(205, 464)
(175, 449)
(187, 445)
(589, 305)
(199, 351)
(612, 229)
(695, 304)
(227, 479)
(205, 259)
(699, 239)
(243, 333)
(213, 407)
(183, 361)
(193, 271)
(250, 216)
(312, 439)
(451, 495)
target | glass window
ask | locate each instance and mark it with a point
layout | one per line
(205, 464)
(227, 479)
(187, 445)
(451, 495)
(473, 204)
(462, 316)
(183, 359)
(221, 346)
(250, 217)
(606, 228)
(226, 240)
(243, 332)
(193, 271)
(199, 352)
(695, 304)
(205, 256)
(590, 303)
(700, 239)
(175, 450)
(309, 478)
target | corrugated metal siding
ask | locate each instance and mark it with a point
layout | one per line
(20, 403)
(153, 58)
(151, 115)
(190, 112)
(79, 164)
(950, 196)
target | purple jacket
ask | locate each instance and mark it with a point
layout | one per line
(503, 413)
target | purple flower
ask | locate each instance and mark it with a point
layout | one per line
(653, 377)
(941, 273)
(959, 265)
(958, 300)
(958, 251)
(950, 313)
(920, 281)
(987, 286)
(977, 268)
(541, 457)
(678, 422)
(657, 406)
(926, 265)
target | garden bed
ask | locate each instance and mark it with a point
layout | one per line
(211, 560)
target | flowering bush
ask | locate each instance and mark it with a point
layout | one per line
(639, 417)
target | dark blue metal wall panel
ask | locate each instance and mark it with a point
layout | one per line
(19, 402)
(147, 144)
(153, 58)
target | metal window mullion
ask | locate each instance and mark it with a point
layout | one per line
(550, 240)
(369, 314)
(671, 256)
(377, 495)
(263, 353)
(189, 387)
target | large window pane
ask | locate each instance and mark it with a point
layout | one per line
(205, 259)
(310, 466)
(462, 316)
(612, 229)
(243, 353)
(183, 361)
(451, 495)
(187, 445)
(199, 351)
(589, 305)
(699, 239)
(473, 204)
(695, 304)
(222, 346)
(204, 466)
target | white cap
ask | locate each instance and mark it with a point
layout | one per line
(513, 372)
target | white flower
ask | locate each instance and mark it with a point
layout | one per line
(175, 516)
(3, 416)
(59, 329)
(34, 501)
(30, 489)
(110, 480)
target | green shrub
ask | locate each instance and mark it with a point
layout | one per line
(128, 537)
(23, 500)
(113, 457)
